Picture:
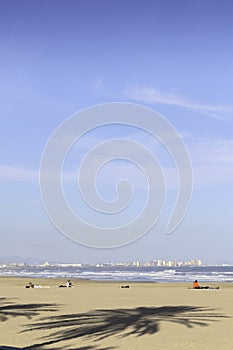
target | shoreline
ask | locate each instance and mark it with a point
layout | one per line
(204, 275)
(51, 280)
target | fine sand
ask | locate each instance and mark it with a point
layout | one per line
(103, 316)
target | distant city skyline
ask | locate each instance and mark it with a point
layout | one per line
(58, 58)
(18, 261)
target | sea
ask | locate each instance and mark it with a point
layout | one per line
(129, 274)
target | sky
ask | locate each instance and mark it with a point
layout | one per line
(60, 57)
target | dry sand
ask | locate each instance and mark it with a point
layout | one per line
(103, 316)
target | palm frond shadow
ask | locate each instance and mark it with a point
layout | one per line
(62, 348)
(9, 309)
(97, 325)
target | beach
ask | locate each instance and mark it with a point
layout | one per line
(99, 315)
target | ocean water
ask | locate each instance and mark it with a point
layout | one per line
(146, 274)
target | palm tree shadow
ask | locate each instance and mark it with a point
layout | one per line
(62, 348)
(9, 309)
(97, 325)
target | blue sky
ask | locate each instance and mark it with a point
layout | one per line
(58, 57)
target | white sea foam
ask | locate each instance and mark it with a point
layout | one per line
(156, 274)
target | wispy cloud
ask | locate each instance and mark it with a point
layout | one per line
(13, 173)
(176, 98)
(98, 84)
(99, 87)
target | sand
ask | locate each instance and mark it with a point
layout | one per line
(103, 316)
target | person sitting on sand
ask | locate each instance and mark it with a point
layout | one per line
(68, 284)
(197, 286)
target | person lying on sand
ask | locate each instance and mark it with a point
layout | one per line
(31, 285)
(197, 286)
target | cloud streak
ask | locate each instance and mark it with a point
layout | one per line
(12, 173)
(175, 98)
